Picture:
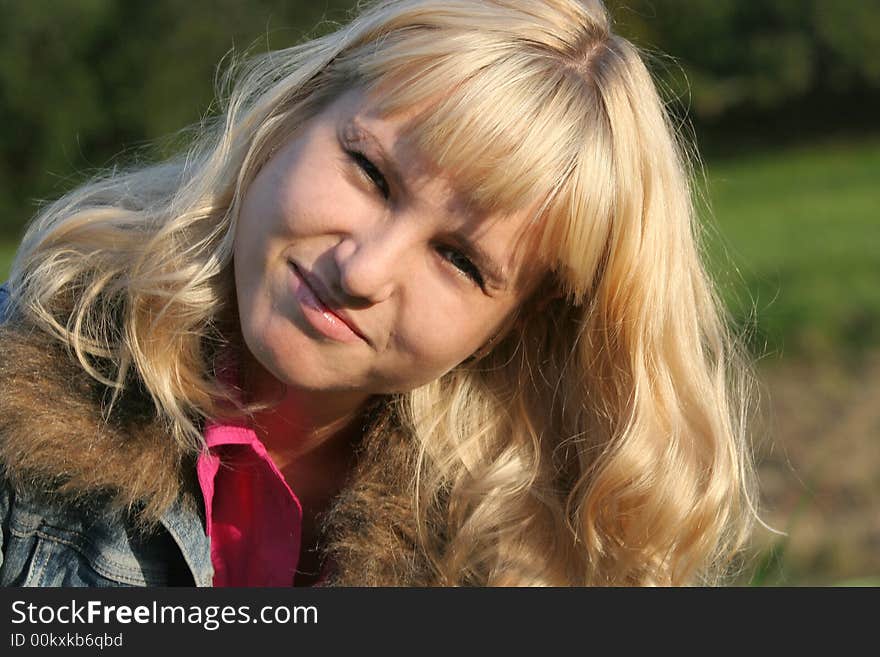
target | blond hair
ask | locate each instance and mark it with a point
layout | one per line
(601, 441)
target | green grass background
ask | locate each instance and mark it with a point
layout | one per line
(795, 246)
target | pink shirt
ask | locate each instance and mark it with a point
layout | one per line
(254, 519)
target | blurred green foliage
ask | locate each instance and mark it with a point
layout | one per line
(82, 81)
(759, 55)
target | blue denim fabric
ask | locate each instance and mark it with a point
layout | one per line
(52, 543)
(4, 302)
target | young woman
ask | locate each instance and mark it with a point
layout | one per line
(425, 306)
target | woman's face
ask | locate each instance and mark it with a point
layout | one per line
(357, 266)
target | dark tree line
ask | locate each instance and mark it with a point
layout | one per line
(83, 80)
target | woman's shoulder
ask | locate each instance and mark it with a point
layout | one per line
(84, 496)
(51, 541)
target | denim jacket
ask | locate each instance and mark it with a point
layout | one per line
(53, 539)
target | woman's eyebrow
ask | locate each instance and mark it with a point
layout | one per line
(353, 130)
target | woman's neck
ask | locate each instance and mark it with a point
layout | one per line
(303, 425)
(310, 438)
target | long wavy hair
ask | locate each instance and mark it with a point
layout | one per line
(603, 439)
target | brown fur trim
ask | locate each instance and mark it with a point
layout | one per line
(54, 440)
(371, 528)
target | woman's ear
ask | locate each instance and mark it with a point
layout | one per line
(547, 291)
(546, 299)
(513, 323)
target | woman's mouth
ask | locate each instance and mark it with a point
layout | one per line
(310, 295)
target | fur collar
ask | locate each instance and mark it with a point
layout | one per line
(55, 441)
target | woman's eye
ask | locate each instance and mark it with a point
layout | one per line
(463, 264)
(371, 171)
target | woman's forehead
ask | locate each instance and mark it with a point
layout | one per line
(409, 136)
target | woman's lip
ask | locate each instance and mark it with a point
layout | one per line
(330, 321)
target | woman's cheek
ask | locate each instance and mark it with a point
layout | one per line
(445, 339)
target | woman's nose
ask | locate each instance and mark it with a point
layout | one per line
(370, 266)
